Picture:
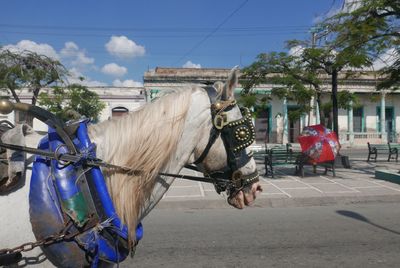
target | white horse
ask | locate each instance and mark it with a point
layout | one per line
(162, 136)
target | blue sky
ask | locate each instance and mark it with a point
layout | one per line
(115, 42)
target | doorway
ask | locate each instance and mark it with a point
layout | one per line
(390, 127)
(262, 124)
(294, 126)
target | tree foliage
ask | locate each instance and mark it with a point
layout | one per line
(372, 27)
(294, 80)
(29, 70)
(72, 102)
(298, 77)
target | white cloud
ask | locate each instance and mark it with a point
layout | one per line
(122, 47)
(296, 51)
(190, 64)
(341, 7)
(42, 49)
(75, 75)
(114, 69)
(127, 83)
(386, 59)
(69, 50)
(76, 55)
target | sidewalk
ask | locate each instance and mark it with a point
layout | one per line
(356, 185)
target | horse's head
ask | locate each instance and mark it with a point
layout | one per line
(225, 157)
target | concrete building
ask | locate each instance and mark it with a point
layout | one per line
(118, 100)
(376, 119)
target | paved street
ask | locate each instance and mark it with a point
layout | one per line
(357, 235)
(354, 185)
(350, 220)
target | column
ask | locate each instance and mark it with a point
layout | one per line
(316, 108)
(285, 137)
(350, 123)
(383, 118)
(311, 114)
(306, 121)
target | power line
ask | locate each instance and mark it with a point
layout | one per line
(193, 35)
(213, 31)
(155, 29)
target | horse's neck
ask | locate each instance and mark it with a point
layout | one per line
(195, 126)
(196, 131)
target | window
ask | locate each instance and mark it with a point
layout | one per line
(358, 119)
(119, 111)
(20, 117)
(262, 124)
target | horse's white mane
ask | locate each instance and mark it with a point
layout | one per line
(143, 140)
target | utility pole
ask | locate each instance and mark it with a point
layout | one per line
(317, 97)
(334, 100)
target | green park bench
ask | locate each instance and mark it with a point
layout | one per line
(304, 160)
(393, 151)
(280, 155)
(285, 155)
(388, 148)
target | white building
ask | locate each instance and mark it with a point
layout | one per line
(376, 119)
(118, 100)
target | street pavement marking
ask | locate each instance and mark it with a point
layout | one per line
(295, 188)
(182, 196)
(309, 185)
(367, 187)
(381, 185)
(185, 186)
(201, 189)
(345, 186)
(280, 189)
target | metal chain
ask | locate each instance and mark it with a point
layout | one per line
(51, 239)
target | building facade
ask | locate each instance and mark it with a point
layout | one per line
(118, 100)
(375, 118)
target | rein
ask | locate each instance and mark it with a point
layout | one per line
(94, 162)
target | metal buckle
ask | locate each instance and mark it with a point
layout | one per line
(220, 120)
(237, 179)
(57, 155)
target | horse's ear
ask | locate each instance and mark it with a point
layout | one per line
(230, 84)
(219, 87)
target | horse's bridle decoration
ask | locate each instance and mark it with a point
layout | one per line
(237, 136)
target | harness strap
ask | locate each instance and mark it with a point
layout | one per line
(214, 133)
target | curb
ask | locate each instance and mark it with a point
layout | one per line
(281, 202)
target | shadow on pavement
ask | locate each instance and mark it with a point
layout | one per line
(359, 217)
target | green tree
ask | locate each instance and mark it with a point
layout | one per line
(72, 102)
(299, 77)
(29, 70)
(331, 59)
(372, 26)
(294, 80)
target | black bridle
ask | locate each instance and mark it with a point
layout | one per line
(237, 136)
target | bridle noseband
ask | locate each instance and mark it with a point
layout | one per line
(237, 136)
